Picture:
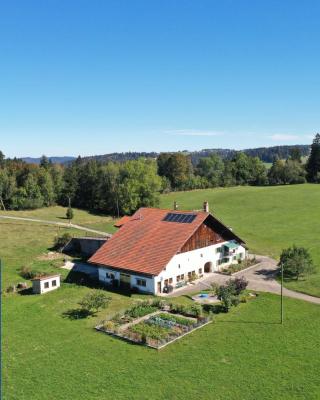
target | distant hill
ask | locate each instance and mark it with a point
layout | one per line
(266, 154)
(54, 160)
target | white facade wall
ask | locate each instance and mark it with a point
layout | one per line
(40, 286)
(149, 288)
(194, 260)
(179, 264)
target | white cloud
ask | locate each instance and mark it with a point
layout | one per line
(281, 137)
(193, 132)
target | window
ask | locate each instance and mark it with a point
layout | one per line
(200, 271)
(170, 280)
(201, 255)
(54, 283)
(141, 282)
(218, 250)
(46, 285)
(193, 272)
(179, 266)
(166, 282)
(189, 274)
(109, 275)
(178, 278)
(182, 277)
(234, 257)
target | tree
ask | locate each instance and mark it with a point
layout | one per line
(177, 168)
(276, 173)
(93, 302)
(313, 164)
(44, 162)
(69, 213)
(295, 154)
(2, 159)
(296, 261)
(212, 169)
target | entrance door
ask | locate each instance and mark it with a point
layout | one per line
(124, 280)
(159, 287)
(208, 267)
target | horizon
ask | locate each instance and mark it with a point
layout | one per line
(132, 151)
(79, 78)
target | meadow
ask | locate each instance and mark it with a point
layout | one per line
(245, 354)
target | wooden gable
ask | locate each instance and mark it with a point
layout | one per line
(204, 236)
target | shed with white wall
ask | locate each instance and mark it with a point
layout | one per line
(44, 284)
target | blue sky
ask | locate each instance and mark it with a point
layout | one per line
(93, 77)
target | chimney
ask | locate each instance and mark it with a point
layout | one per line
(175, 205)
(206, 206)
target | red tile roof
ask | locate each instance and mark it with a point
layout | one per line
(122, 221)
(146, 243)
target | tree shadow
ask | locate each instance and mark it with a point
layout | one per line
(267, 273)
(77, 313)
(82, 279)
(26, 292)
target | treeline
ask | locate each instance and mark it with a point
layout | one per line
(114, 188)
(122, 187)
(241, 169)
(266, 154)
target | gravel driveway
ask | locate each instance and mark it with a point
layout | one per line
(261, 278)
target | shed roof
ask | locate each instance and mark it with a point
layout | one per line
(44, 277)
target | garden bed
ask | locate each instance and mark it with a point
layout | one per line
(235, 268)
(154, 329)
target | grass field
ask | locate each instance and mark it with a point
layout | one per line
(246, 354)
(267, 218)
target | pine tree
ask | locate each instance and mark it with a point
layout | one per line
(313, 165)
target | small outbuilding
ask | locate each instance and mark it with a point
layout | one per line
(44, 284)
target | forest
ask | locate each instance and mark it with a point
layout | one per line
(119, 188)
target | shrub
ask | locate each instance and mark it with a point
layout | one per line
(178, 308)
(240, 284)
(296, 261)
(61, 241)
(69, 213)
(11, 289)
(92, 302)
(196, 310)
(109, 326)
(225, 295)
(27, 273)
(140, 310)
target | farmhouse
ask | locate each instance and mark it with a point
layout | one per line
(44, 284)
(158, 250)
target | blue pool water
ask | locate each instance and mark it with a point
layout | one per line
(203, 295)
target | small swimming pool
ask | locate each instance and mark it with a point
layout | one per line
(203, 295)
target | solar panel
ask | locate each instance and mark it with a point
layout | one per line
(181, 218)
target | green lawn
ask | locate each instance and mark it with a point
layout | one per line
(246, 354)
(267, 218)
(58, 214)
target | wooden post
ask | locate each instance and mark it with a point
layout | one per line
(281, 293)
